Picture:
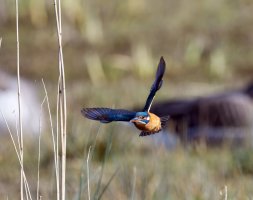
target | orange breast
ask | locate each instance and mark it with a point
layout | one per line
(154, 124)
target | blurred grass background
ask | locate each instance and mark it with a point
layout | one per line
(111, 52)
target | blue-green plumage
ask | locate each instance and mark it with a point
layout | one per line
(106, 115)
(156, 85)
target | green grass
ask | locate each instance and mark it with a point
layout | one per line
(160, 174)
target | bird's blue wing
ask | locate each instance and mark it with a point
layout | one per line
(106, 115)
(156, 85)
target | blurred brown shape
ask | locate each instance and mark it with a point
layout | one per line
(213, 119)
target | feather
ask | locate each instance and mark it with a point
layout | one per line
(106, 115)
(147, 133)
(156, 85)
(164, 121)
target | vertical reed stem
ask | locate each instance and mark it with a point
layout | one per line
(19, 104)
(62, 97)
(88, 172)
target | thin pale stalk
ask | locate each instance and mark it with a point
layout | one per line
(63, 156)
(88, 173)
(79, 194)
(54, 143)
(63, 116)
(108, 183)
(134, 185)
(95, 141)
(57, 131)
(28, 193)
(107, 151)
(64, 130)
(17, 132)
(19, 104)
(19, 147)
(226, 193)
(38, 174)
(81, 183)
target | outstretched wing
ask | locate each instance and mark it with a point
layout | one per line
(156, 85)
(106, 115)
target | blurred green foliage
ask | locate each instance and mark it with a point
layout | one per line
(212, 38)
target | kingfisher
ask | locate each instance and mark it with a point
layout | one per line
(147, 122)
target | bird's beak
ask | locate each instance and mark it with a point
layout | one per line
(137, 120)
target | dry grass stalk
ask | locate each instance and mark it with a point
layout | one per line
(27, 189)
(62, 124)
(54, 144)
(88, 172)
(134, 184)
(38, 174)
(19, 106)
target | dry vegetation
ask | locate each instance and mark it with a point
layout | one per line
(111, 51)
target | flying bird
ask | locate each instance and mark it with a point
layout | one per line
(147, 122)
